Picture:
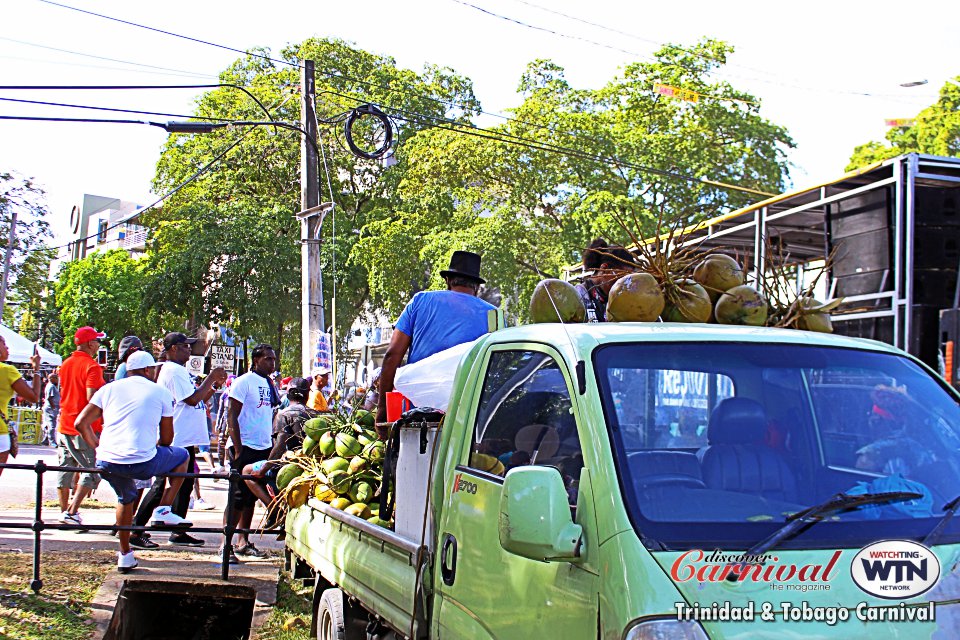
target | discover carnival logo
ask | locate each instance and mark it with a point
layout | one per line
(895, 569)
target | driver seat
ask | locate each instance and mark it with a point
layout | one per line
(736, 458)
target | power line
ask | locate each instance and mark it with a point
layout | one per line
(92, 108)
(168, 33)
(453, 125)
(639, 55)
(496, 136)
(64, 63)
(551, 31)
(90, 55)
(502, 136)
(118, 87)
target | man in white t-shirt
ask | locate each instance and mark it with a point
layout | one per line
(135, 412)
(250, 423)
(189, 425)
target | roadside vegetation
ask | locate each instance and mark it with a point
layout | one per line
(61, 611)
(290, 618)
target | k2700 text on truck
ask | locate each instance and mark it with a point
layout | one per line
(665, 481)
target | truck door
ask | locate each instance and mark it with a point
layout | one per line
(522, 415)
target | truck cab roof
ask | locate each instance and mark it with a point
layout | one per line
(586, 336)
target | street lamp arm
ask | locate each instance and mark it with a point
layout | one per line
(208, 127)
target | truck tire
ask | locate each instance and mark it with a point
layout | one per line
(331, 622)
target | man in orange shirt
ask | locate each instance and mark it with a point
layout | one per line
(80, 377)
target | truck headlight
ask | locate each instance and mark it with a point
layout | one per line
(665, 629)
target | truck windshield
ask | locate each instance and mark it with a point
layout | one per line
(717, 443)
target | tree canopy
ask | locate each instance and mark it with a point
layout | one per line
(28, 300)
(570, 165)
(936, 131)
(106, 291)
(229, 242)
(528, 193)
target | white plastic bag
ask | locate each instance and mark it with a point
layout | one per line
(429, 382)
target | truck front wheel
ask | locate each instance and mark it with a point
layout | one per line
(331, 624)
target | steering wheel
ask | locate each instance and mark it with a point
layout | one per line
(670, 479)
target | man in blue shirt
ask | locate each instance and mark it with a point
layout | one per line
(437, 320)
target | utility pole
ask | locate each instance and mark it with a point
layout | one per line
(6, 258)
(311, 297)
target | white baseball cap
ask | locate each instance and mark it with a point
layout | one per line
(140, 360)
(319, 371)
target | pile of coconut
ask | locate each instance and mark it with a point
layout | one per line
(689, 287)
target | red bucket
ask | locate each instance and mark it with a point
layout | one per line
(397, 403)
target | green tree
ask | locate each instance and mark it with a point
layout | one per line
(28, 292)
(229, 242)
(571, 165)
(936, 131)
(106, 291)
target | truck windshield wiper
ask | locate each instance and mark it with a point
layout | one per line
(801, 520)
(949, 509)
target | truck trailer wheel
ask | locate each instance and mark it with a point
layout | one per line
(331, 623)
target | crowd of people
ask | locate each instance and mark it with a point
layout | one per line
(154, 419)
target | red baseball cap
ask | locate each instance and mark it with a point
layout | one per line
(86, 334)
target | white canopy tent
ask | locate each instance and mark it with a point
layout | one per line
(21, 349)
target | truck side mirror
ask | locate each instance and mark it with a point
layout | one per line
(535, 519)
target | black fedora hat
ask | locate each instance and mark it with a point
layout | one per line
(465, 264)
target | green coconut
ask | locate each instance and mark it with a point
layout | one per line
(358, 464)
(361, 492)
(377, 521)
(741, 305)
(316, 427)
(717, 273)
(693, 304)
(552, 296)
(374, 451)
(636, 297)
(347, 446)
(328, 444)
(359, 509)
(340, 503)
(339, 481)
(309, 444)
(334, 464)
(286, 475)
(814, 320)
(364, 418)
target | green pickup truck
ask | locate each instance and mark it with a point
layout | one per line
(663, 481)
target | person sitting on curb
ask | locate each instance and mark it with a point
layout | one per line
(134, 411)
(287, 436)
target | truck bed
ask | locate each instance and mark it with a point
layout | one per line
(370, 563)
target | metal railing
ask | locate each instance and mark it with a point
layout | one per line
(38, 526)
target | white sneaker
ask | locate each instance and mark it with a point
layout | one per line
(164, 517)
(203, 505)
(126, 561)
(70, 518)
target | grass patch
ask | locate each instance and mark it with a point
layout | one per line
(293, 601)
(89, 503)
(61, 611)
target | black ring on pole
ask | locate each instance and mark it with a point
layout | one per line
(373, 111)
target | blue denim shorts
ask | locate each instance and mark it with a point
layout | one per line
(123, 477)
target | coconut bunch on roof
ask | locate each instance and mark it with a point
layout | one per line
(677, 280)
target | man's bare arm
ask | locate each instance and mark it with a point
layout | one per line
(84, 424)
(233, 425)
(166, 431)
(399, 344)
